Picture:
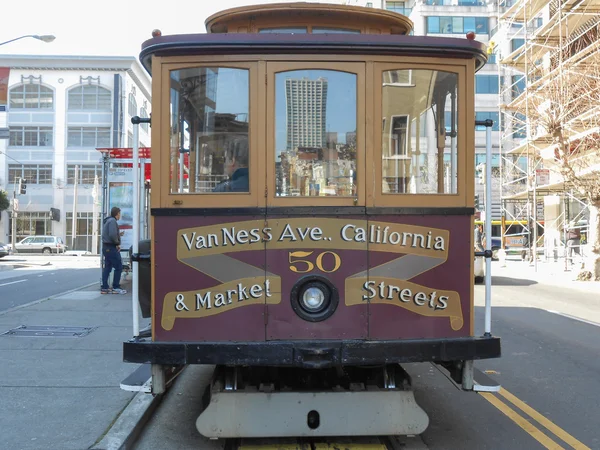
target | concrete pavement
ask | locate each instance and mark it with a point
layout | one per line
(547, 272)
(59, 391)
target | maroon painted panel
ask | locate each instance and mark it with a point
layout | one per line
(217, 277)
(391, 321)
(245, 323)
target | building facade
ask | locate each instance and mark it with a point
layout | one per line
(550, 66)
(58, 111)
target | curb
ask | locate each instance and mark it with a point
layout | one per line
(128, 425)
(35, 302)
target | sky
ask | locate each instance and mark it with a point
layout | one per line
(107, 27)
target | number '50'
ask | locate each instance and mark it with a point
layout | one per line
(333, 262)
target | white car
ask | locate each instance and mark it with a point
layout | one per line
(41, 244)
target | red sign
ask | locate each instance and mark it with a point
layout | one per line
(4, 74)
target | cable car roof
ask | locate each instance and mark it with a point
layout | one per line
(336, 44)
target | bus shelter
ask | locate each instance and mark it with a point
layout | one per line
(117, 190)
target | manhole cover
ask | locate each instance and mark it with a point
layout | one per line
(48, 331)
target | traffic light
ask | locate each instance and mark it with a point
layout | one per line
(23, 186)
(476, 201)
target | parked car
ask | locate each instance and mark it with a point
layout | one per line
(41, 244)
(4, 250)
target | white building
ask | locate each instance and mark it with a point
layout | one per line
(59, 110)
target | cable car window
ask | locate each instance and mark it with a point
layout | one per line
(420, 123)
(209, 130)
(315, 133)
(323, 30)
(284, 30)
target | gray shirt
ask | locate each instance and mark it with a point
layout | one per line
(110, 231)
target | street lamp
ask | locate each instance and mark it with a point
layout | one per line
(43, 38)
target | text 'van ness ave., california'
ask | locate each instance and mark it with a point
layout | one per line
(314, 232)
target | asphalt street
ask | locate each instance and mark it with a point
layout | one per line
(23, 281)
(548, 372)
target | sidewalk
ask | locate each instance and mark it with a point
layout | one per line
(547, 272)
(63, 392)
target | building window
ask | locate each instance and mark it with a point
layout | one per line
(516, 43)
(31, 96)
(144, 115)
(88, 137)
(486, 84)
(31, 224)
(397, 7)
(86, 173)
(457, 25)
(132, 106)
(484, 115)
(84, 231)
(33, 173)
(30, 137)
(518, 85)
(89, 97)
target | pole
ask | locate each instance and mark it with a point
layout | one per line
(488, 123)
(136, 227)
(74, 219)
(13, 230)
(488, 229)
(95, 217)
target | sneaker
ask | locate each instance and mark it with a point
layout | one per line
(119, 291)
(105, 291)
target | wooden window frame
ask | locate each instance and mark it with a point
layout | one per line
(161, 140)
(356, 68)
(465, 135)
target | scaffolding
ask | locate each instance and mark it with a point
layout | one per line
(540, 42)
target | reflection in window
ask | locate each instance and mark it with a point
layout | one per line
(209, 130)
(315, 133)
(419, 132)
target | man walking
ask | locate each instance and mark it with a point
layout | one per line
(111, 249)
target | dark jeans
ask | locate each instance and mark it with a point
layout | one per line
(112, 260)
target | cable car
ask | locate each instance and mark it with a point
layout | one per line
(312, 216)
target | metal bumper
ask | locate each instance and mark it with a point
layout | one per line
(311, 354)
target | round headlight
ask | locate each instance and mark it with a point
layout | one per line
(313, 299)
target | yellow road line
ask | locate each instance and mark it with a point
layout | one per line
(521, 421)
(543, 421)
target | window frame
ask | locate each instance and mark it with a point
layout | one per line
(465, 134)
(24, 129)
(96, 128)
(161, 139)
(355, 68)
(82, 94)
(23, 97)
